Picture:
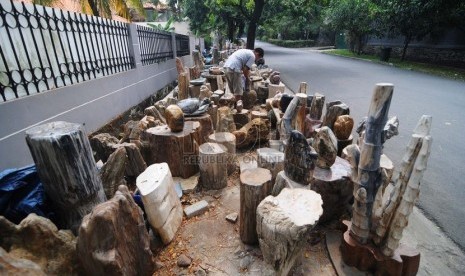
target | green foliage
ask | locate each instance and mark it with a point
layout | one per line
(293, 43)
(167, 28)
(357, 17)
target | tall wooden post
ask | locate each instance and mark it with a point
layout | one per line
(66, 167)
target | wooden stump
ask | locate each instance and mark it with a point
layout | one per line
(178, 149)
(162, 205)
(256, 131)
(225, 120)
(206, 126)
(255, 186)
(213, 158)
(259, 114)
(228, 140)
(272, 160)
(66, 167)
(283, 222)
(335, 187)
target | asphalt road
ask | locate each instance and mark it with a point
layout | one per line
(442, 192)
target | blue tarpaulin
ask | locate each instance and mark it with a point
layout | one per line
(21, 193)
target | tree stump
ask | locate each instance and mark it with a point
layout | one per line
(335, 187)
(206, 126)
(161, 203)
(282, 223)
(66, 167)
(255, 186)
(272, 160)
(256, 131)
(225, 120)
(178, 149)
(228, 140)
(213, 112)
(213, 159)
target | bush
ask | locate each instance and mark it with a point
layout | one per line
(293, 43)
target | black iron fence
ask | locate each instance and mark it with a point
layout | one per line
(155, 46)
(182, 45)
(42, 48)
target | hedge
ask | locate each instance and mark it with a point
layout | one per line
(292, 43)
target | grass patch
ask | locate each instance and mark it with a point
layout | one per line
(443, 71)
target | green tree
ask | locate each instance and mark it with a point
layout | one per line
(357, 17)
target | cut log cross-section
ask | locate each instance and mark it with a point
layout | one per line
(66, 167)
(178, 149)
(212, 163)
(229, 141)
(255, 186)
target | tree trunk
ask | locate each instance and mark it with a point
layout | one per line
(66, 167)
(406, 43)
(93, 7)
(213, 172)
(252, 30)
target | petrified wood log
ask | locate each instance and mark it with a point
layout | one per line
(153, 111)
(228, 140)
(66, 167)
(249, 99)
(311, 126)
(213, 112)
(161, 203)
(227, 100)
(282, 223)
(255, 186)
(183, 85)
(180, 66)
(205, 92)
(367, 257)
(225, 120)
(174, 118)
(197, 60)
(335, 187)
(18, 266)
(316, 108)
(342, 144)
(303, 88)
(299, 159)
(102, 144)
(213, 158)
(135, 164)
(259, 114)
(256, 131)
(334, 110)
(325, 144)
(113, 239)
(206, 126)
(292, 113)
(369, 175)
(112, 172)
(272, 160)
(178, 149)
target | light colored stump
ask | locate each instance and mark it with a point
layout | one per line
(274, 89)
(283, 181)
(225, 120)
(255, 186)
(282, 224)
(178, 149)
(272, 160)
(228, 140)
(213, 159)
(206, 126)
(67, 169)
(161, 204)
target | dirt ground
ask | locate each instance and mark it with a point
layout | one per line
(214, 246)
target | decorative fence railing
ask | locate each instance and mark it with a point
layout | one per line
(155, 46)
(182, 45)
(42, 48)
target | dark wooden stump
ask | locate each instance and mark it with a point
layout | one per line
(367, 257)
(255, 186)
(178, 149)
(66, 167)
